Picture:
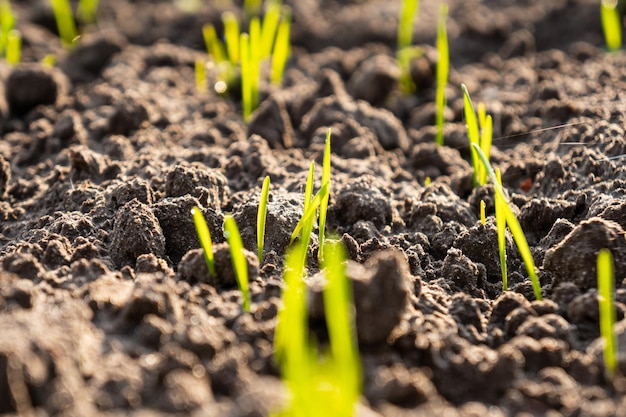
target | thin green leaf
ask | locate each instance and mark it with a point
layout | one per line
(262, 216)
(246, 76)
(472, 131)
(232, 37)
(204, 236)
(14, 47)
(255, 61)
(611, 24)
(500, 203)
(607, 311)
(65, 21)
(486, 138)
(514, 226)
(281, 48)
(324, 202)
(443, 69)
(238, 258)
(87, 11)
(269, 28)
(408, 13)
(311, 210)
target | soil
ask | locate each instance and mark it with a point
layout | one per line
(106, 305)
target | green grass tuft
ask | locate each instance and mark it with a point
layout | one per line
(204, 236)
(514, 226)
(611, 24)
(238, 258)
(443, 70)
(262, 217)
(479, 132)
(325, 383)
(607, 312)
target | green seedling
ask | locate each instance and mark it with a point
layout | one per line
(252, 7)
(310, 212)
(326, 384)
(49, 61)
(261, 217)
(472, 131)
(200, 72)
(611, 24)
(406, 52)
(443, 70)
(232, 37)
(14, 47)
(87, 11)
(483, 218)
(7, 24)
(269, 28)
(255, 60)
(65, 22)
(341, 330)
(479, 132)
(238, 258)
(514, 226)
(500, 204)
(607, 312)
(246, 76)
(215, 48)
(324, 202)
(204, 236)
(281, 48)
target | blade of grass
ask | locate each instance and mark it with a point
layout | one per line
(472, 131)
(443, 69)
(514, 226)
(65, 22)
(324, 202)
(204, 236)
(310, 212)
(501, 230)
(214, 46)
(255, 61)
(261, 217)
(246, 76)
(200, 72)
(483, 218)
(87, 11)
(7, 24)
(486, 138)
(607, 312)
(238, 258)
(405, 25)
(232, 37)
(14, 47)
(269, 28)
(252, 7)
(281, 49)
(611, 24)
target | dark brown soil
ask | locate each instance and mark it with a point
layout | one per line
(106, 305)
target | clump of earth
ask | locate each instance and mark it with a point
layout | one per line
(106, 304)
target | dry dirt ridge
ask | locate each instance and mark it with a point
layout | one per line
(106, 307)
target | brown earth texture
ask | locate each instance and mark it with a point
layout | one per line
(106, 305)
